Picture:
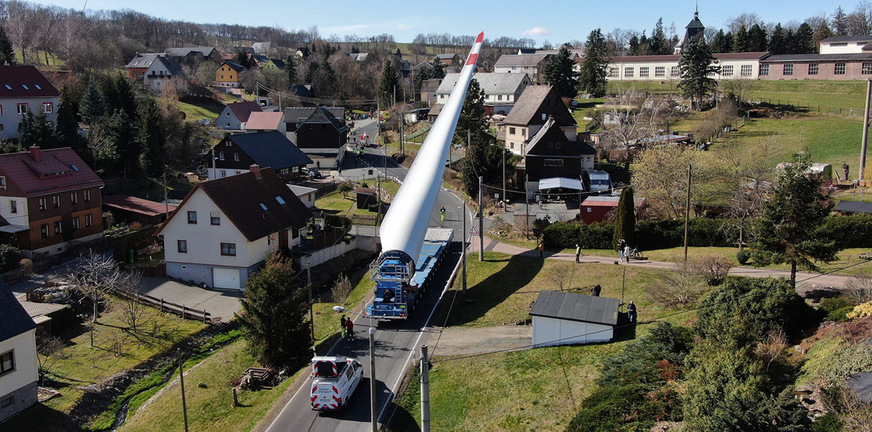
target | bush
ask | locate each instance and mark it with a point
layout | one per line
(596, 236)
(849, 231)
(835, 309)
(9, 257)
(561, 235)
(712, 268)
(742, 256)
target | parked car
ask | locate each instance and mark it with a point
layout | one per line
(205, 122)
(334, 380)
(313, 173)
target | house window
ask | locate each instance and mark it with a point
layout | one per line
(727, 70)
(643, 72)
(43, 203)
(746, 70)
(182, 246)
(13, 206)
(192, 217)
(674, 71)
(1, 110)
(76, 223)
(866, 68)
(56, 200)
(87, 195)
(659, 71)
(764, 70)
(214, 219)
(47, 107)
(89, 220)
(43, 230)
(2, 182)
(7, 362)
(613, 72)
(839, 69)
(227, 114)
(554, 162)
(22, 108)
(228, 249)
(223, 173)
(628, 72)
(511, 131)
(74, 197)
(58, 228)
(221, 154)
(236, 157)
(788, 69)
(813, 68)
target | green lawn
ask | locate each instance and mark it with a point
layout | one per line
(195, 112)
(208, 397)
(814, 94)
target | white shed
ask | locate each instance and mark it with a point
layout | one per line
(561, 318)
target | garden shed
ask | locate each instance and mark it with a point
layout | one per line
(561, 318)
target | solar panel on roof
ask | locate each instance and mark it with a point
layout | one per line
(25, 87)
(8, 87)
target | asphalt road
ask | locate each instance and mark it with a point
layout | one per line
(396, 345)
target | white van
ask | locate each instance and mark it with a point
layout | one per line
(334, 380)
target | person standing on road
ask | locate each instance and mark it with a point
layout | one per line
(442, 213)
(349, 329)
(577, 252)
(627, 253)
(342, 325)
(541, 248)
(621, 244)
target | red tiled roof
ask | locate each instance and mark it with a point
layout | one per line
(59, 170)
(242, 110)
(25, 81)
(265, 120)
(136, 205)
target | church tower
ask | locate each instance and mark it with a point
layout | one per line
(695, 30)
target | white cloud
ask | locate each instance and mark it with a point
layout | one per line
(345, 29)
(403, 27)
(536, 31)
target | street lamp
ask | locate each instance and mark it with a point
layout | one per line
(372, 405)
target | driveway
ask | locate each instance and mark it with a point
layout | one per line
(221, 304)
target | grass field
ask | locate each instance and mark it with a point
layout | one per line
(197, 112)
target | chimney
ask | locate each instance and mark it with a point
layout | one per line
(255, 169)
(34, 153)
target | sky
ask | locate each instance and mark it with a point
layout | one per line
(556, 21)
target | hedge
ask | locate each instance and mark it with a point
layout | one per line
(849, 231)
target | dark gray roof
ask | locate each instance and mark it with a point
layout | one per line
(861, 385)
(171, 65)
(14, 320)
(782, 58)
(300, 115)
(182, 52)
(270, 149)
(576, 307)
(492, 83)
(854, 207)
(143, 60)
(847, 39)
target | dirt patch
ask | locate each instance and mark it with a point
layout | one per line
(456, 341)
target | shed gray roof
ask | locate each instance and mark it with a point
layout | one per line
(507, 60)
(854, 207)
(576, 307)
(271, 149)
(14, 320)
(491, 83)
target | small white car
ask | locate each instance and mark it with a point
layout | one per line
(334, 380)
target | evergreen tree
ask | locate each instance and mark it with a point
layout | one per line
(68, 124)
(120, 135)
(92, 107)
(633, 46)
(242, 59)
(559, 73)
(291, 67)
(788, 231)
(592, 77)
(118, 94)
(840, 22)
(740, 41)
(36, 130)
(7, 54)
(472, 116)
(150, 138)
(658, 43)
(722, 42)
(644, 45)
(778, 40)
(803, 40)
(757, 38)
(625, 219)
(696, 64)
(274, 315)
(389, 82)
(483, 157)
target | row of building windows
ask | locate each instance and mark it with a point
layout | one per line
(645, 72)
(815, 68)
(58, 226)
(227, 249)
(56, 200)
(214, 219)
(235, 155)
(744, 70)
(23, 108)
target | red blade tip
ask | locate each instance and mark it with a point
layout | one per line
(479, 38)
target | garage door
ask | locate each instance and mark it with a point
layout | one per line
(226, 278)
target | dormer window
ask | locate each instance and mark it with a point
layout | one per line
(280, 200)
(263, 206)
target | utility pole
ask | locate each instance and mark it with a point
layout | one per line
(480, 218)
(425, 390)
(372, 406)
(311, 305)
(504, 177)
(527, 207)
(463, 247)
(687, 210)
(865, 132)
(182, 383)
(166, 195)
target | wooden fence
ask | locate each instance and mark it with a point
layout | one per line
(166, 306)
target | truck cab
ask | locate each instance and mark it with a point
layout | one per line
(334, 380)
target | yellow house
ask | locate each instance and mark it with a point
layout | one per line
(228, 75)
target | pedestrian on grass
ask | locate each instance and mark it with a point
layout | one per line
(631, 312)
(577, 252)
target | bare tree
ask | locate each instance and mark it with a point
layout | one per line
(680, 287)
(132, 309)
(632, 122)
(750, 184)
(95, 276)
(50, 350)
(341, 289)
(562, 275)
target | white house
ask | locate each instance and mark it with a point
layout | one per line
(846, 45)
(235, 116)
(224, 229)
(161, 71)
(665, 67)
(530, 64)
(305, 194)
(501, 90)
(561, 318)
(18, 365)
(23, 89)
